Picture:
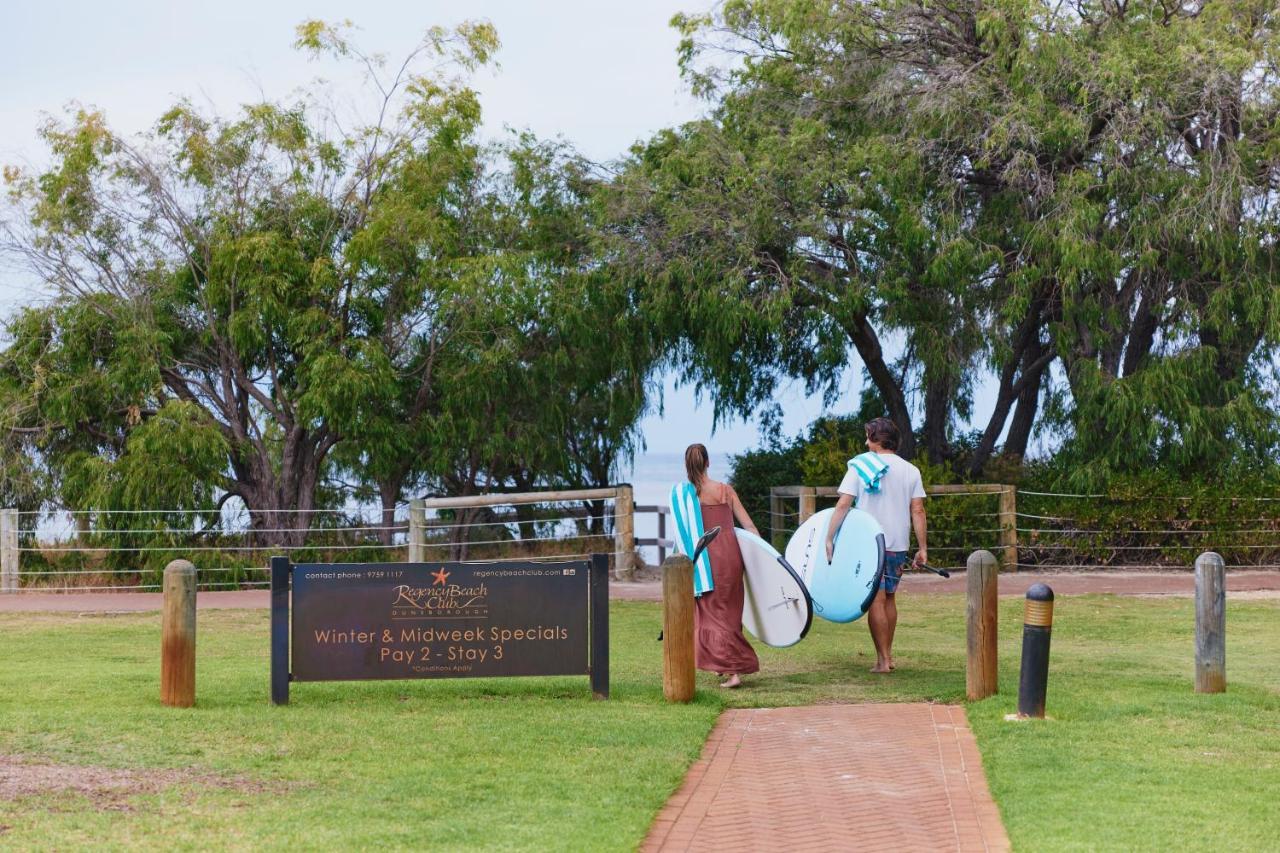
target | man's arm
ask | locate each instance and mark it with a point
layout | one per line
(842, 509)
(921, 525)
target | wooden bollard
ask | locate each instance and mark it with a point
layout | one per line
(178, 636)
(1211, 624)
(981, 579)
(677, 628)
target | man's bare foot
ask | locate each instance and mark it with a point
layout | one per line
(734, 681)
(882, 667)
(892, 665)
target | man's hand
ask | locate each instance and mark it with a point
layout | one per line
(831, 549)
(922, 557)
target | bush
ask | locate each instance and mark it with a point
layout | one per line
(1155, 518)
(757, 471)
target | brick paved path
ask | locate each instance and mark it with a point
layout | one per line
(834, 777)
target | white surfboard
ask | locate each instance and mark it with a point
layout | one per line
(843, 589)
(777, 610)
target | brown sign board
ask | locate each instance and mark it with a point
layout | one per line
(359, 621)
(443, 620)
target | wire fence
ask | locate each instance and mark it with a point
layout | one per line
(117, 550)
(127, 550)
(1145, 532)
(960, 523)
(1030, 529)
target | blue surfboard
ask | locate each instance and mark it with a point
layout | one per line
(686, 512)
(843, 589)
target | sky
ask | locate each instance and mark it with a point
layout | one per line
(600, 74)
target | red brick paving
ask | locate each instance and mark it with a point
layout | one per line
(834, 777)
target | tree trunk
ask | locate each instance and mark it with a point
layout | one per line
(282, 503)
(867, 344)
(389, 491)
(1026, 362)
(1024, 416)
(937, 416)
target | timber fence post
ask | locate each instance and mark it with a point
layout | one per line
(1211, 623)
(775, 516)
(624, 532)
(417, 530)
(677, 629)
(8, 550)
(178, 636)
(981, 579)
(808, 503)
(1009, 527)
(662, 534)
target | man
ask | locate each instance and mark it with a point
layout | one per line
(889, 488)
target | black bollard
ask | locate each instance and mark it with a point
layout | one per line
(1036, 626)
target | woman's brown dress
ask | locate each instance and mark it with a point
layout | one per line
(718, 641)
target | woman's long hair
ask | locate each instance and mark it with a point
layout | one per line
(695, 465)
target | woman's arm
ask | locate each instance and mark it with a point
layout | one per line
(740, 512)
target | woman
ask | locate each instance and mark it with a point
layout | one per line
(719, 645)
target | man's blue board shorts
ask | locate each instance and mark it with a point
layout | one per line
(895, 563)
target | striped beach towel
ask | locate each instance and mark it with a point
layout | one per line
(870, 468)
(687, 513)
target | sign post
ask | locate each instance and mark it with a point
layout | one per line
(362, 621)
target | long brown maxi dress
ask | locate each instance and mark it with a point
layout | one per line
(718, 642)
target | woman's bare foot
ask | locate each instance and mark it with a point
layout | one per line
(734, 681)
(892, 665)
(882, 668)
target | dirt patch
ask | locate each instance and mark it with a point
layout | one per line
(106, 788)
(1232, 595)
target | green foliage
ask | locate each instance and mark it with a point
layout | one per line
(830, 444)
(287, 309)
(755, 472)
(1154, 517)
(1090, 198)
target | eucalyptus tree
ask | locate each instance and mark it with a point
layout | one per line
(788, 227)
(271, 276)
(1133, 144)
(541, 381)
(570, 354)
(589, 350)
(998, 185)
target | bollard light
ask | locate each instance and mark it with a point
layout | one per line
(1036, 626)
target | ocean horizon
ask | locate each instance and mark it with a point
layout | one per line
(651, 476)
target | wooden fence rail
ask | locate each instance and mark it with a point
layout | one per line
(623, 497)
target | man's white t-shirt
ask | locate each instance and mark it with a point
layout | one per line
(891, 505)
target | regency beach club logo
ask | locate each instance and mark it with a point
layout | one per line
(443, 598)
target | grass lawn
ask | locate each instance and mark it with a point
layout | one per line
(1132, 758)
